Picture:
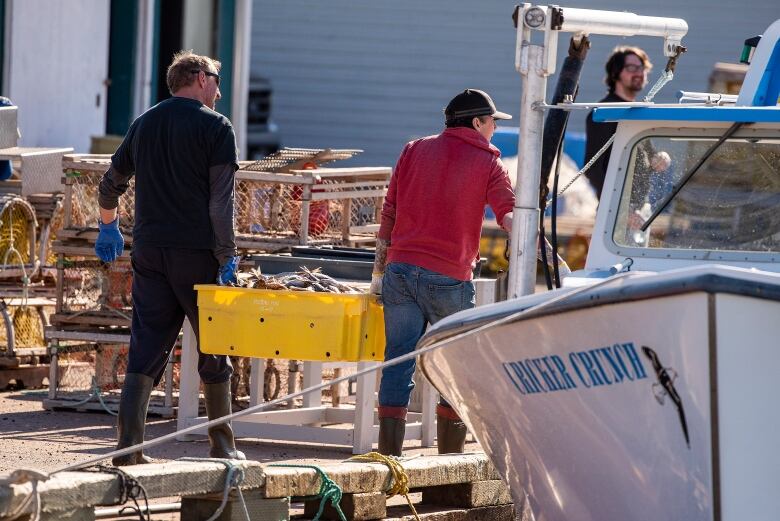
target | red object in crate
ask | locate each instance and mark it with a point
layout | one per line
(318, 210)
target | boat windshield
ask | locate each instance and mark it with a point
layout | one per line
(732, 203)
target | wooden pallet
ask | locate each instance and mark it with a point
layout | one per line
(156, 407)
(82, 333)
(94, 319)
(25, 376)
(454, 487)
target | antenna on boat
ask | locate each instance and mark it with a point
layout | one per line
(535, 62)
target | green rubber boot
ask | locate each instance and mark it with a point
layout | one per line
(131, 420)
(223, 444)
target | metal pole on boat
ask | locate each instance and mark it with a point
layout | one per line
(525, 225)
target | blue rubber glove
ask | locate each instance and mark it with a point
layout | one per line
(227, 272)
(110, 244)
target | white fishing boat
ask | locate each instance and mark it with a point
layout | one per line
(645, 387)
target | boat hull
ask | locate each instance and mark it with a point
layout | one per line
(582, 424)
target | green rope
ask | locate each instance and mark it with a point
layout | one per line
(329, 491)
(94, 393)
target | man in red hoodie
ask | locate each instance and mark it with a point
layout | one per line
(428, 245)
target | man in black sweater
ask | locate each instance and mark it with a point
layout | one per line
(627, 70)
(183, 156)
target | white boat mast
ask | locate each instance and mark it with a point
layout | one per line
(535, 62)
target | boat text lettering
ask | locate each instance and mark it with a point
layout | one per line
(609, 365)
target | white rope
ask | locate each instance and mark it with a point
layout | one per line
(267, 405)
(665, 78)
(233, 479)
(19, 477)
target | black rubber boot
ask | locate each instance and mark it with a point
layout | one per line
(391, 436)
(450, 431)
(131, 419)
(223, 444)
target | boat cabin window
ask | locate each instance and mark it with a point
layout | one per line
(731, 203)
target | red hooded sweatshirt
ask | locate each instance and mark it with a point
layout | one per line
(435, 203)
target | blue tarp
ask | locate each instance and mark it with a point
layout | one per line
(506, 138)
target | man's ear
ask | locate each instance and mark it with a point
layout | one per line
(476, 123)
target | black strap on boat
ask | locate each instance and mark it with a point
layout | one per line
(543, 249)
(552, 145)
(687, 177)
(554, 212)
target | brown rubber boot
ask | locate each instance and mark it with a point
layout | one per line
(450, 431)
(131, 419)
(392, 427)
(223, 444)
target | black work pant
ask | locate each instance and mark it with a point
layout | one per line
(163, 294)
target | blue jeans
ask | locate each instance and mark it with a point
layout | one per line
(413, 298)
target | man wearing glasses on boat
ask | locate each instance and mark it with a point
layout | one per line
(627, 70)
(427, 246)
(183, 156)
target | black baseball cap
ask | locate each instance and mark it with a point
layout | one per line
(473, 103)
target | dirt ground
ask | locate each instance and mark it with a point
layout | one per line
(32, 437)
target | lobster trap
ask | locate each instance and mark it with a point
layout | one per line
(338, 206)
(91, 293)
(282, 200)
(88, 375)
(17, 239)
(80, 208)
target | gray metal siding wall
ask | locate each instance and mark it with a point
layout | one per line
(374, 75)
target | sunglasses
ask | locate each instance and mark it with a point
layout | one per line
(207, 73)
(633, 68)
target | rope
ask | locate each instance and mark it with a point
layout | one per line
(665, 78)
(400, 483)
(585, 168)
(94, 393)
(129, 489)
(233, 478)
(329, 490)
(437, 344)
(19, 477)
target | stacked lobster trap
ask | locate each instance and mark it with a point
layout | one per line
(289, 199)
(30, 215)
(283, 200)
(90, 327)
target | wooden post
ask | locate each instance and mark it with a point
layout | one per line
(201, 508)
(335, 389)
(53, 376)
(303, 234)
(346, 220)
(67, 208)
(357, 507)
(60, 290)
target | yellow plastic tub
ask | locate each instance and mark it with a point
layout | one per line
(295, 325)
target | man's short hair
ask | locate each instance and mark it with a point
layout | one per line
(467, 122)
(180, 73)
(617, 61)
